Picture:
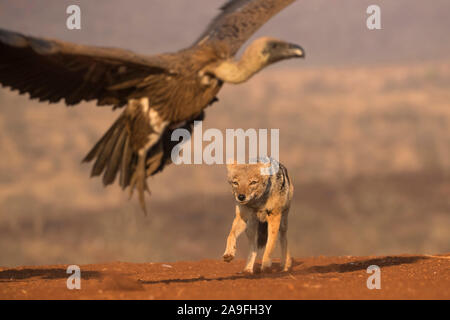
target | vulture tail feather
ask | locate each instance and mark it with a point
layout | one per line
(108, 151)
(113, 153)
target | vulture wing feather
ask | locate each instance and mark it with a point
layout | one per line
(51, 70)
(239, 19)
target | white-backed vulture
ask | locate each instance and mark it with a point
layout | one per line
(160, 92)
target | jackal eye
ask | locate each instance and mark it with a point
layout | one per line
(253, 182)
(234, 183)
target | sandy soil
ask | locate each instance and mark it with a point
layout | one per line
(402, 277)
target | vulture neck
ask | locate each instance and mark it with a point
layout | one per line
(240, 71)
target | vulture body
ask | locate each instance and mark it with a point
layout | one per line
(159, 93)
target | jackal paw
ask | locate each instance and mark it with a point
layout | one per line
(266, 266)
(248, 271)
(228, 257)
(286, 267)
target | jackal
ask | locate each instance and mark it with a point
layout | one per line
(262, 204)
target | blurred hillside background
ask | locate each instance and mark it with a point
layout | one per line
(364, 131)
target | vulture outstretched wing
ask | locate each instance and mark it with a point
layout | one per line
(51, 70)
(239, 19)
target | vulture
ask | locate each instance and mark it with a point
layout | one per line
(158, 93)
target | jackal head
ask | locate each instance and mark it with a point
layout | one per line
(247, 182)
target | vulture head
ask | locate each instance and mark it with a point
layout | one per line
(274, 50)
(258, 55)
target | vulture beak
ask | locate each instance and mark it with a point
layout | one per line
(296, 50)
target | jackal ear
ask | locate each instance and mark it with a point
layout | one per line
(269, 167)
(231, 163)
(265, 163)
(231, 171)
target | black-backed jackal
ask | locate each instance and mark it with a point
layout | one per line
(262, 206)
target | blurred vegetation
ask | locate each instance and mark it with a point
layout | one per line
(367, 147)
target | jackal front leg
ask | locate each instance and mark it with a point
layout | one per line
(273, 225)
(237, 228)
(252, 234)
(286, 260)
